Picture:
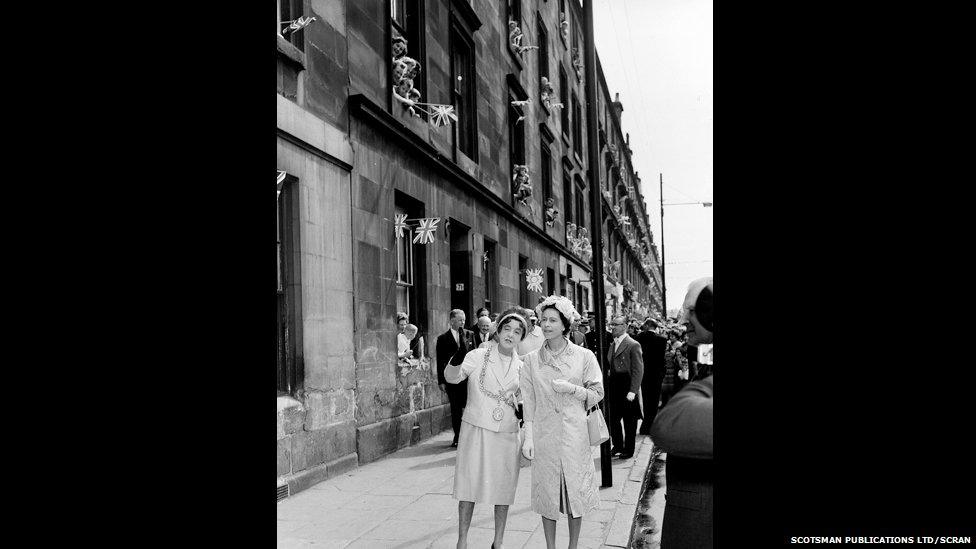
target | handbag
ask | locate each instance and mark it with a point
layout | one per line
(597, 426)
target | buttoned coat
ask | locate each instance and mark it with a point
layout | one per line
(560, 435)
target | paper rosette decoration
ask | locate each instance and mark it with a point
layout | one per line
(425, 233)
(534, 279)
(399, 224)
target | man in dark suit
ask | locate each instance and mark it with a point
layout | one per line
(652, 347)
(626, 371)
(595, 332)
(452, 345)
(482, 328)
(684, 429)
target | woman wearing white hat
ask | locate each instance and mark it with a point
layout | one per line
(559, 382)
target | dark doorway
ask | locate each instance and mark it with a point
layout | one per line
(460, 268)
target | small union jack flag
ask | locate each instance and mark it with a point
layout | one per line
(297, 24)
(425, 233)
(399, 224)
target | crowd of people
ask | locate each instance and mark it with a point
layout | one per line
(522, 381)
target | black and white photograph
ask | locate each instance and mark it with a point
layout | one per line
(483, 336)
(515, 238)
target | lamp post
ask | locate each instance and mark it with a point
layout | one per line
(664, 282)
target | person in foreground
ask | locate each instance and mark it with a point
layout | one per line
(559, 382)
(487, 467)
(683, 429)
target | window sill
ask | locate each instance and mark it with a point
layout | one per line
(565, 139)
(579, 161)
(290, 53)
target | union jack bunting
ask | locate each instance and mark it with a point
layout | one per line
(399, 224)
(441, 115)
(425, 233)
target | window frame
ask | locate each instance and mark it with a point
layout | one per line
(417, 293)
(413, 30)
(569, 214)
(545, 165)
(577, 125)
(564, 99)
(290, 364)
(543, 43)
(467, 111)
(522, 284)
(579, 203)
(296, 38)
(489, 273)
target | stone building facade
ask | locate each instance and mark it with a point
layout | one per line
(507, 181)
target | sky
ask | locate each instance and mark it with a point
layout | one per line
(658, 55)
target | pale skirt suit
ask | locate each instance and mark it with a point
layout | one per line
(563, 474)
(487, 467)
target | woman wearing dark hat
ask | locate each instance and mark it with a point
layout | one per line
(487, 467)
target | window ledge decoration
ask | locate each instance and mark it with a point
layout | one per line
(521, 105)
(629, 294)
(281, 181)
(551, 212)
(515, 39)
(533, 279)
(405, 69)
(521, 188)
(612, 271)
(547, 94)
(296, 25)
(625, 221)
(578, 63)
(564, 29)
(578, 241)
(411, 365)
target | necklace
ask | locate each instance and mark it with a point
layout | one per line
(498, 413)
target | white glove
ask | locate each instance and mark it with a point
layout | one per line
(630, 397)
(563, 386)
(528, 447)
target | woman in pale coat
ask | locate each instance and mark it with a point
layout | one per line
(559, 382)
(487, 467)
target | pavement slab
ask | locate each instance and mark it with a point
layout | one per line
(405, 501)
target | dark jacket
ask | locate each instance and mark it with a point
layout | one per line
(652, 347)
(478, 339)
(683, 429)
(448, 351)
(591, 340)
(627, 359)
